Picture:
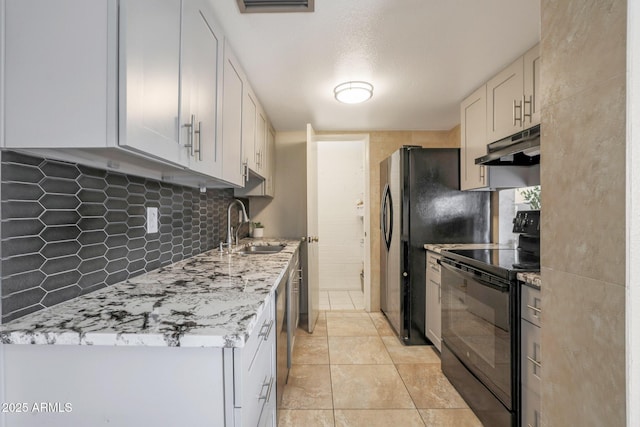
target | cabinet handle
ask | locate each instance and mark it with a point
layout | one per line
(536, 309)
(191, 127)
(534, 361)
(517, 106)
(245, 171)
(265, 333)
(530, 102)
(199, 136)
(269, 386)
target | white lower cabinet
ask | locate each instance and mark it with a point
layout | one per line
(531, 362)
(254, 375)
(131, 386)
(433, 319)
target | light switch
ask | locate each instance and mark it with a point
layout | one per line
(152, 220)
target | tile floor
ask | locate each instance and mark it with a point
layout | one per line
(341, 300)
(352, 371)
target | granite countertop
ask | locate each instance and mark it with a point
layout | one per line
(209, 300)
(533, 279)
(439, 247)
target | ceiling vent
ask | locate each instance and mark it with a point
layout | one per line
(277, 6)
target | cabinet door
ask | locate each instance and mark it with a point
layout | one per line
(532, 87)
(473, 139)
(261, 141)
(150, 78)
(270, 162)
(201, 54)
(232, 92)
(531, 365)
(59, 75)
(249, 121)
(433, 302)
(505, 102)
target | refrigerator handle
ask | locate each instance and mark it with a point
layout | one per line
(387, 209)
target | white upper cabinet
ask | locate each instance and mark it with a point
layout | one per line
(473, 139)
(149, 54)
(261, 141)
(233, 170)
(249, 114)
(201, 53)
(532, 87)
(270, 162)
(135, 86)
(512, 102)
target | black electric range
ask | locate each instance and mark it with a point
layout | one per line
(480, 322)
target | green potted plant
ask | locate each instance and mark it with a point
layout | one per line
(532, 196)
(258, 229)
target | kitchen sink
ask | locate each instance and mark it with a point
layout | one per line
(261, 249)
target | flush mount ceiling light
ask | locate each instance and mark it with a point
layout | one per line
(353, 92)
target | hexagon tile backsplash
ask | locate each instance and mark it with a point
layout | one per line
(68, 229)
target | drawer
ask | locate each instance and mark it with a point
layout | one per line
(531, 358)
(250, 361)
(530, 408)
(531, 307)
(432, 263)
(259, 388)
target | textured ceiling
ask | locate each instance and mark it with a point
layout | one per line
(422, 56)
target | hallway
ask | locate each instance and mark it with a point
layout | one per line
(352, 371)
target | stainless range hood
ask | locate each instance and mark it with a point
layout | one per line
(521, 149)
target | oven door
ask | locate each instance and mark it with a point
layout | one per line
(477, 325)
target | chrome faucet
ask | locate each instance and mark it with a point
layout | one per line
(243, 218)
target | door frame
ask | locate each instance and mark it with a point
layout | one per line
(364, 137)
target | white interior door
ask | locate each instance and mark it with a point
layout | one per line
(313, 274)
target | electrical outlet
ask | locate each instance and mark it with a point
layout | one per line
(152, 220)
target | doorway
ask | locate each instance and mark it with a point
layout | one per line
(343, 222)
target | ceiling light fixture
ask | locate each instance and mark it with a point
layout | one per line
(353, 92)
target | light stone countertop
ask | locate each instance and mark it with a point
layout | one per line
(533, 279)
(439, 247)
(209, 300)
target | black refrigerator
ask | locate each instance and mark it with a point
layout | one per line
(421, 203)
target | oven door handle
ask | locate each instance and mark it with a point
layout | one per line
(481, 277)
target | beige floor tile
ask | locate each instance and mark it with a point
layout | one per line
(319, 330)
(306, 418)
(369, 387)
(401, 353)
(310, 350)
(350, 326)
(382, 325)
(358, 314)
(343, 306)
(450, 418)
(308, 387)
(429, 388)
(358, 350)
(378, 418)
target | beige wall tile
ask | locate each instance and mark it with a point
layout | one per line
(582, 351)
(583, 181)
(583, 43)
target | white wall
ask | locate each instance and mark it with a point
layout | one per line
(340, 186)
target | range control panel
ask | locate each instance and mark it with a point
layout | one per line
(527, 222)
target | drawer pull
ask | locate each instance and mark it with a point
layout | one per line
(535, 362)
(269, 386)
(266, 330)
(536, 309)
